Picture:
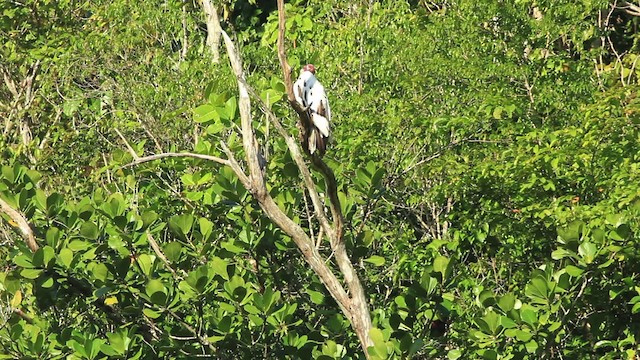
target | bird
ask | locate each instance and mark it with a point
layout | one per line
(310, 94)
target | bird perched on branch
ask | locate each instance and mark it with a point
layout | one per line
(310, 94)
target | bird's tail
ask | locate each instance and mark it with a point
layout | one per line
(317, 142)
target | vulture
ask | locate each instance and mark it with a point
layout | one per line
(310, 94)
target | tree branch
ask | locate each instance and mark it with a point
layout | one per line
(630, 8)
(153, 157)
(213, 29)
(297, 157)
(21, 223)
(359, 308)
(258, 189)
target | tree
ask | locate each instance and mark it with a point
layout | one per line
(483, 181)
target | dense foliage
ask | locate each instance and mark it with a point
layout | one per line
(486, 154)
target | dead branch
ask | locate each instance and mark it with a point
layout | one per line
(137, 160)
(255, 184)
(630, 8)
(213, 29)
(359, 310)
(161, 255)
(185, 37)
(297, 157)
(21, 223)
(153, 157)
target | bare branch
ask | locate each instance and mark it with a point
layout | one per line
(139, 160)
(213, 29)
(183, 53)
(23, 315)
(160, 255)
(297, 157)
(257, 187)
(630, 8)
(359, 309)
(21, 223)
(235, 166)
(126, 143)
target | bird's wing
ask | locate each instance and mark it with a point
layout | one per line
(298, 92)
(319, 105)
(322, 123)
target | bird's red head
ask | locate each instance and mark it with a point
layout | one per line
(310, 68)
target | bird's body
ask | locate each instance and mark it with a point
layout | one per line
(310, 94)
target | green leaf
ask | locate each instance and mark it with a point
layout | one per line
(490, 323)
(497, 112)
(47, 283)
(507, 302)
(206, 227)
(205, 113)
(523, 335)
(615, 219)
(454, 354)
(230, 106)
(23, 261)
(429, 283)
(155, 286)
(151, 313)
(530, 317)
(7, 173)
(375, 260)
(181, 224)
(145, 262)
(172, 251)
(54, 202)
(379, 346)
(531, 347)
(571, 233)
(119, 341)
(187, 180)
(490, 354)
(30, 273)
(316, 296)
(561, 253)
(440, 265)
(219, 266)
(53, 235)
(573, 271)
(149, 217)
(507, 323)
(100, 272)
(79, 245)
(537, 289)
(215, 128)
(43, 257)
(89, 230)
(487, 298)
(587, 251)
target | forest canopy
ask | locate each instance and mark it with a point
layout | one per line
(479, 197)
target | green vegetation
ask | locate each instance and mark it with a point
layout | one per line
(486, 154)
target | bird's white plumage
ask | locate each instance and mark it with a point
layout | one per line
(310, 93)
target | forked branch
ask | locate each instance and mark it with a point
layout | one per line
(359, 310)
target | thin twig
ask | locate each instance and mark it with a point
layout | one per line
(139, 160)
(160, 254)
(201, 339)
(126, 143)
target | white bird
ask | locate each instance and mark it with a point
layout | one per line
(310, 94)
